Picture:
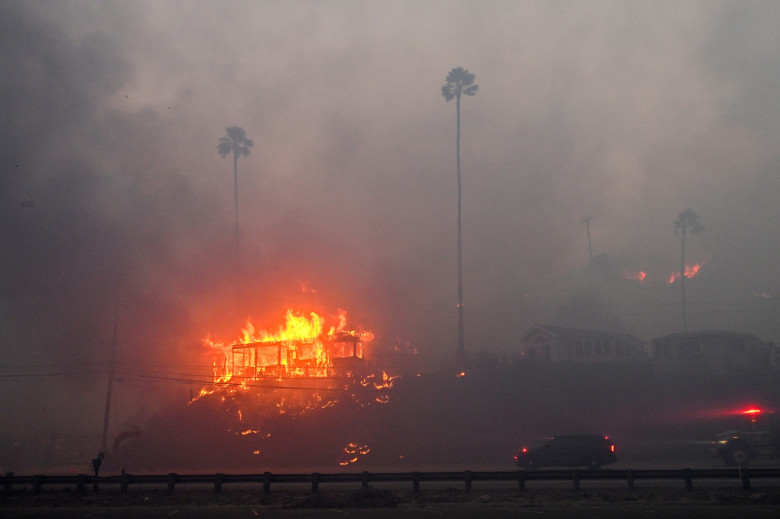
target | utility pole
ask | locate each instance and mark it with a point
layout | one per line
(103, 442)
(586, 221)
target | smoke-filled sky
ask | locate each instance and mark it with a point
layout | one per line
(117, 209)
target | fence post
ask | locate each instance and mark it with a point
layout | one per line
(745, 477)
(630, 478)
(467, 476)
(266, 482)
(364, 477)
(575, 479)
(171, 482)
(218, 482)
(315, 482)
(416, 481)
(521, 479)
(688, 479)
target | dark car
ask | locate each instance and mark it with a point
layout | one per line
(758, 436)
(589, 451)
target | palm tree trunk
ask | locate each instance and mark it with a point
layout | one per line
(461, 338)
(682, 280)
(235, 198)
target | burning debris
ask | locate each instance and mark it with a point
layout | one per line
(352, 453)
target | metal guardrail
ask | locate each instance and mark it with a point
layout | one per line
(12, 483)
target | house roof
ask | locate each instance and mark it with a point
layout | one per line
(579, 333)
(704, 333)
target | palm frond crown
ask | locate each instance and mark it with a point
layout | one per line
(236, 142)
(688, 221)
(459, 82)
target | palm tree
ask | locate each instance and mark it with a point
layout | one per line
(236, 142)
(687, 222)
(459, 82)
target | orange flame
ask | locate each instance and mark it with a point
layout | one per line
(307, 345)
(353, 451)
(690, 271)
(636, 275)
(299, 348)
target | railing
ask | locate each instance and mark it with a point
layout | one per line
(81, 482)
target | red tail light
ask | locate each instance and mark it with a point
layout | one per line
(612, 448)
(525, 449)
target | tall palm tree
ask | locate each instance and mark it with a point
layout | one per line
(459, 82)
(687, 222)
(237, 143)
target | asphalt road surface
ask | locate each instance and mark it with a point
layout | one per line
(391, 504)
(438, 511)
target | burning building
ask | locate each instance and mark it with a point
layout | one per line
(302, 348)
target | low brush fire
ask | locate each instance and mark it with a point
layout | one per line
(642, 276)
(690, 271)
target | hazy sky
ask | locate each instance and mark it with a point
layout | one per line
(114, 203)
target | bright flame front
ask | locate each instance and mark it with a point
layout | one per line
(301, 348)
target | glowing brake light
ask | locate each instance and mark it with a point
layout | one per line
(525, 449)
(612, 448)
(752, 411)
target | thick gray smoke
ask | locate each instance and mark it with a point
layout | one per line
(115, 207)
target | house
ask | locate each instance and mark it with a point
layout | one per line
(558, 344)
(712, 351)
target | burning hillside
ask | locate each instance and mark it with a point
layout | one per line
(691, 271)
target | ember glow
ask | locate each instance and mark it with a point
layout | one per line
(352, 453)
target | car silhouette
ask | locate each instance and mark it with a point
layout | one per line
(591, 451)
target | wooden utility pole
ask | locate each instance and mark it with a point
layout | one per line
(586, 221)
(104, 441)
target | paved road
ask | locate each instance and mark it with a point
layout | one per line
(438, 511)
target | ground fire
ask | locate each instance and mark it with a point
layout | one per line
(642, 276)
(690, 271)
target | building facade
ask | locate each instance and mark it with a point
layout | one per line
(559, 344)
(711, 351)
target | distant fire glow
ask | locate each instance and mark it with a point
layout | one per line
(690, 271)
(642, 276)
(636, 275)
